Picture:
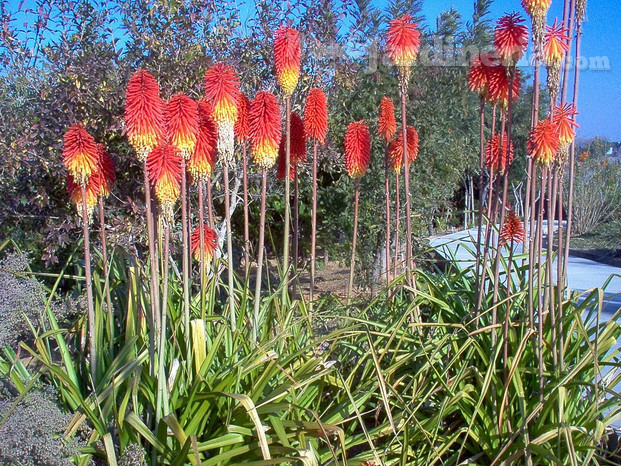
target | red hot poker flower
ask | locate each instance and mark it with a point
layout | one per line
(164, 168)
(387, 125)
(241, 125)
(210, 243)
(182, 123)
(203, 159)
(144, 113)
(403, 41)
(92, 190)
(316, 115)
(80, 155)
(512, 230)
(537, 10)
(357, 149)
(222, 92)
(480, 72)
(298, 140)
(565, 119)
(282, 162)
(106, 168)
(498, 86)
(543, 142)
(510, 38)
(497, 158)
(287, 58)
(264, 128)
(395, 151)
(556, 43)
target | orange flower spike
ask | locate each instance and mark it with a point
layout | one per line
(264, 128)
(144, 113)
(282, 161)
(203, 159)
(241, 125)
(498, 158)
(298, 140)
(537, 10)
(511, 39)
(498, 85)
(556, 44)
(182, 123)
(480, 72)
(164, 168)
(357, 149)
(92, 190)
(565, 119)
(210, 243)
(316, 115)
(543, 142)
(395, 151)
(80, 154)
(512, 230)
(222, 92)
(106, 168)
(287, 54)
(403, 41)
(387, 125)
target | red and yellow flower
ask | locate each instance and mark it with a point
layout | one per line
(564, 118)
(481, 70)
(222, 92)
(357, 149)
(511, 39)
(498, 156)
(241, 128)
(386, 125)
(106, 169)
(403, 41)
(543, 142)
(498, 86)
(537, 10)
(80, 154)
(512, 229)
(210, 243)
(297, 153)
(287, 54)
(203, 159)
(144, 113)
(316, 115)
(164, 168)
(182, 123)
(556, 43)
(92, 190)
(395, 151)
(264, 128)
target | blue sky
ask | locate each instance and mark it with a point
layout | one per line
(599, 97)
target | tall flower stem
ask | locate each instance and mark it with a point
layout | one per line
(539, 248)
(186, 254)
(313, 225)
(353, 244)
(481, 194)
(154, 281)
(229, 246)
(162, 397)
(104, 254)
(397, 218)
(285, 267)
(406, 172)
(296, 223)
(387, 192)
(246, 215)
(257, 290)
(89, 289)
(201, 222)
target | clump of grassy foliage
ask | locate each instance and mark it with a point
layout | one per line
(402, 379)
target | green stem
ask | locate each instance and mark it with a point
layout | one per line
(353, 245)
(229, 247)
(104, 254)
(257, 291)
(285, 271)
(89, 289)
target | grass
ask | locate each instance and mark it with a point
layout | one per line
(369, 382)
